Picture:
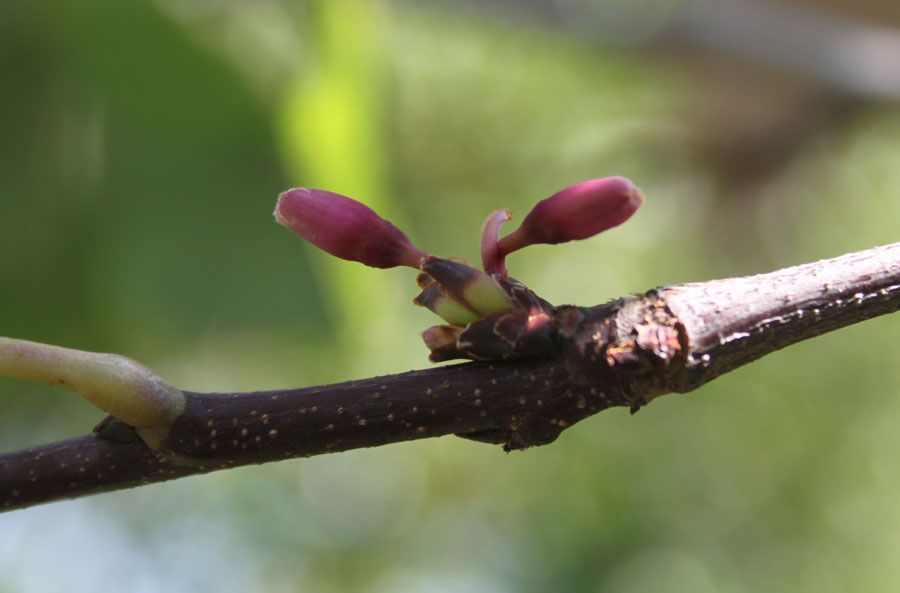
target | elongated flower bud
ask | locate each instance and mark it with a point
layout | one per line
(346, 228)
(577, 212)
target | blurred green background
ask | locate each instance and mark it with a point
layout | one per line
(143, 146)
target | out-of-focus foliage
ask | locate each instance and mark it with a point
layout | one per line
(142, 151)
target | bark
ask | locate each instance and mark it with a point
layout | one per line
(623, 353)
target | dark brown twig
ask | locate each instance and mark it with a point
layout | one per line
(623, 353)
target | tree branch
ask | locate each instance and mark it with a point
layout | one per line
(623, 353)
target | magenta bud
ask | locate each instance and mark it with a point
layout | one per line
(346, 228)
(577, 212)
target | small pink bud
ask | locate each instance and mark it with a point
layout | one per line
(346, 228)
(491, 259)
(577, 212)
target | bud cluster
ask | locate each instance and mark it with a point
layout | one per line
(488, 314)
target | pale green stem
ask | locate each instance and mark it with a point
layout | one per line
(118, 385)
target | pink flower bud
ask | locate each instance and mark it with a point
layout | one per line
(346, 228)
(577, 212)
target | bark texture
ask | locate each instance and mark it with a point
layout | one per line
(623, 353)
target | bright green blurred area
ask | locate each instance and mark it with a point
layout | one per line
(142, 151)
